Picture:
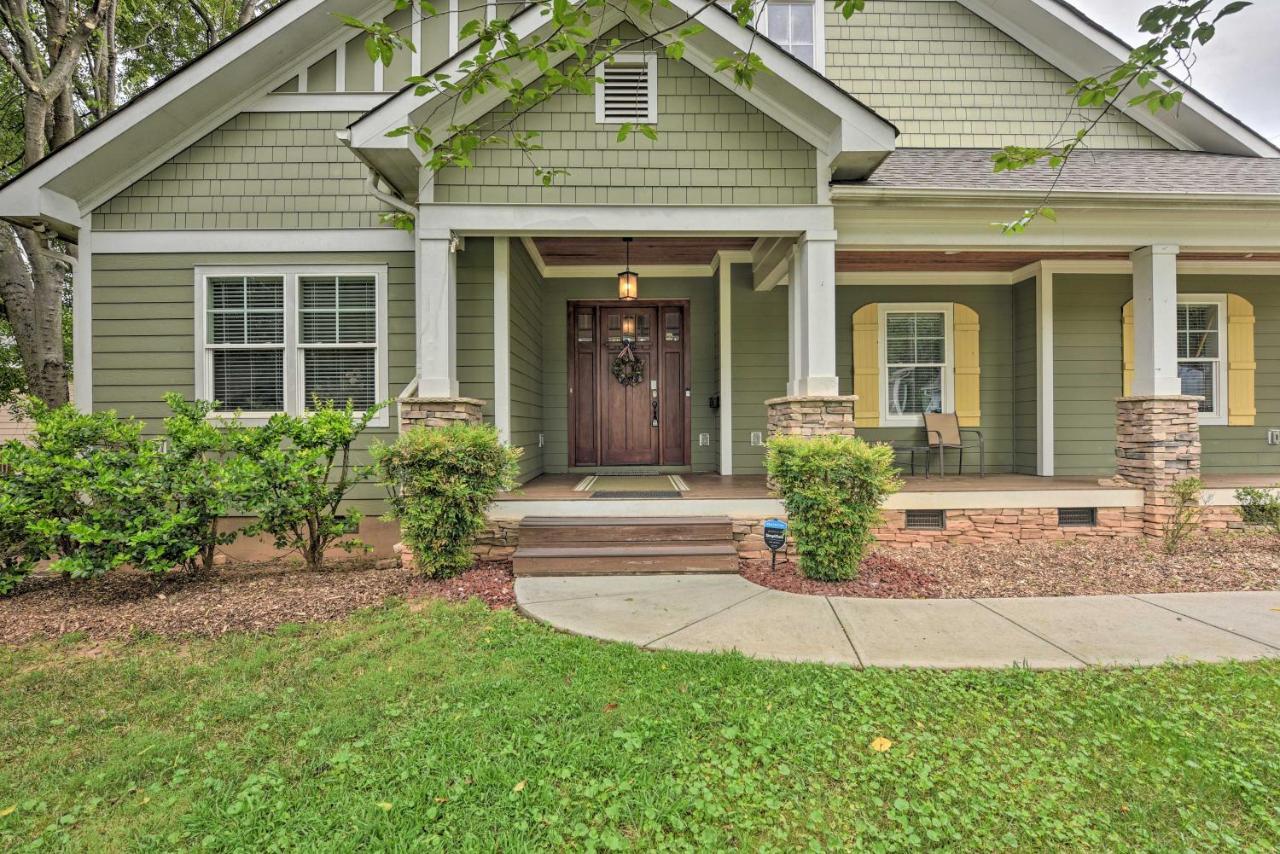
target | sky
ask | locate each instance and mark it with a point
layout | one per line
(1239, 69)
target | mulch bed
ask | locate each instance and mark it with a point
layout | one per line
(1079, 567)
(238, 597)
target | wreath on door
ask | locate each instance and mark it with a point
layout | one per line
(627, 367)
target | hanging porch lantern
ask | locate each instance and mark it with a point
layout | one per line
(628, 281)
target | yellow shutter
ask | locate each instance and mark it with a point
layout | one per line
(1127, 314)
(866, 366)
(967, 371)
(1241, 366)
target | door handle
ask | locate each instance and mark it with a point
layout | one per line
(655, 412)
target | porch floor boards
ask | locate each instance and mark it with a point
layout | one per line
(560, 487)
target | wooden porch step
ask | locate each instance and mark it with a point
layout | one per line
(625, 559)
(625, 545)
(541, 531)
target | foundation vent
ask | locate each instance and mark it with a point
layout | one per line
(926, 520)
(1077, 517)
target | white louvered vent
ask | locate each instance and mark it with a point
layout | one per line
(629, 92)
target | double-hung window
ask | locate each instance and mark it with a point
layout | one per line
(918, 369)
(1201, 345)
(796, 27)
(281, 339)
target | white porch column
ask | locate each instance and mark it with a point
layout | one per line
(813, 309)
(1155, 321)
(437, 317)
(795, 322)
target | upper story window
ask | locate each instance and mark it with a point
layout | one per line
(918, 369)
(796, 26)
(1201, 345)
(278, 340)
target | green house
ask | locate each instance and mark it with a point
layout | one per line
(815, 252)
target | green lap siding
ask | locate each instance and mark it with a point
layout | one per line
(1088, 373)
(701, 294)
(759, 360)
(994, 305)
(475, 322)
(1087, 370)
(527, 348)
(143, 334)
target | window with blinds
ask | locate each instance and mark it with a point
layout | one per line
(246, 338)
(629, 91)
(338, 334)
(280, 342)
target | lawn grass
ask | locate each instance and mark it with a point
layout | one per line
(458, 728)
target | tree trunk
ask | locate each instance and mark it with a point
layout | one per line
(31, 288)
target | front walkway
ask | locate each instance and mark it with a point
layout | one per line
(706, 613)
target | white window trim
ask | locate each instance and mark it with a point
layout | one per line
(293, 378)
(650, 61)
(819, 32)
(948, 369)
(1219, 416)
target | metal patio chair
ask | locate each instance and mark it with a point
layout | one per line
(943, 432)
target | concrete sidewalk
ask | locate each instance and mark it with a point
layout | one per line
(706, 613)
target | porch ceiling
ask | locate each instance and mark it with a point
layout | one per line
(645, 251)
(1004, 262)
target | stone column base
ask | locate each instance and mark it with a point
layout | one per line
(439, 411)
(811, 416)
(1157, 444)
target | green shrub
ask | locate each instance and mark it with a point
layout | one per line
(832, 488)
(1260, 507)
(296, 473)
(1186, 513)
(91, 493)
(440, 482)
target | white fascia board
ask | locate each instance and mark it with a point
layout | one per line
(1080, 48)
(443, 220)
(196, 99)
(316, 102)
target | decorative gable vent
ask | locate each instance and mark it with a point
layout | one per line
(629, 92)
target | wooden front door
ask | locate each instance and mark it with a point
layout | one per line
(645, 423)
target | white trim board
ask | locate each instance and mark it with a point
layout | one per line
(441, 220)
(267, 240)
(316, 102)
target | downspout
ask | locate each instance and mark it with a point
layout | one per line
(371, 184)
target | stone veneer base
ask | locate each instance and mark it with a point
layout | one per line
(810, 416)
(440, 411)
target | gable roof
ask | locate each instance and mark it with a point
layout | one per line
(850, 137)
(69, 182)
(1063, 35)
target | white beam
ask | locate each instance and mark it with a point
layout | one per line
(502, 337)
(622, 220)
(1044, 373)
(1155, 320)
(726, 367)
(436, 311)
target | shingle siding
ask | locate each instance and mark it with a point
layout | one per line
(712, 148)
(256, 171)
(947, 78)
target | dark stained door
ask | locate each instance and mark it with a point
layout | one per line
(629, 425)
(619, 424)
